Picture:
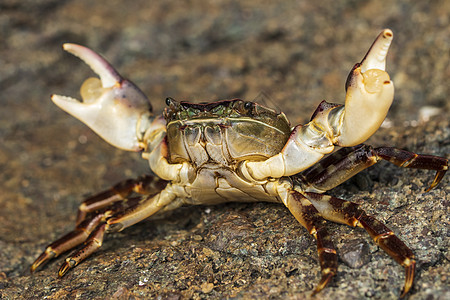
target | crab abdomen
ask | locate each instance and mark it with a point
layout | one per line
(216, 184)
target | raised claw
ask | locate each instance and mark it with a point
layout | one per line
(370, 93)
(112, 106)
(369, 96)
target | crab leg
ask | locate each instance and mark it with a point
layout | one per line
(118, 221)
(345, 163)
(102, 205)
(336, 168)
(67, 242)
(341, 211)
(406, 159)
(308, 216)
(82, 231)
(145, 185)
(369, 95)
(94, 242)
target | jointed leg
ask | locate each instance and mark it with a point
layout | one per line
(144, 185)
(309, 217)
(406, 159)
(342, 165)
(347, 162)
(95, 210)
(341, 211)
(118, 221)
(336, 168)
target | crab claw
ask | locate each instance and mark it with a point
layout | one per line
(370, 93)
(112, 106)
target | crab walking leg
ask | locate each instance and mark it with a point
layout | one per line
(119, 221)
(370, 93)
(93, 243)
(336, 168)
(102, 205)
(308, 216)
(345, 212)
(406, 159)
(82, 231)
(345, 163)
(67, 242)
(145, 185)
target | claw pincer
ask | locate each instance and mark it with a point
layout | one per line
(111, 106)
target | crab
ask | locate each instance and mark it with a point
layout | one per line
(236, 150)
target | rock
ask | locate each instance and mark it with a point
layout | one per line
(355, 254)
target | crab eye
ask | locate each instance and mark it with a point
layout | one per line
(168, 101)
(248, 105)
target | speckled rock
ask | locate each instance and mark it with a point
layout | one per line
(355, 253)
(289, 55)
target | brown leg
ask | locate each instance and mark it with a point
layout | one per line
(341, 211)
(119, 220)
(144, 185)
(309, 217)
(93, 243)
(406, 159)
(96, 209)
(81, 232)
(347, 162)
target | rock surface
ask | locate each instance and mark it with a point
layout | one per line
(290, 55)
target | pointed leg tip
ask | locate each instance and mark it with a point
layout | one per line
(33, 268)
(42, 259)
(326, 278)
(316, 291)
(439, 175)
(403, 294)
(65, 267)
(409, 277)
(405, 291)
(36, 265)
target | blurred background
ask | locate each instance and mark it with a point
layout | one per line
(288, 55)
